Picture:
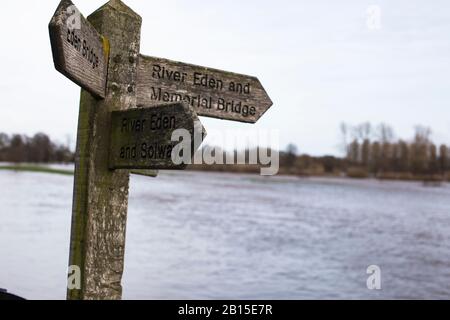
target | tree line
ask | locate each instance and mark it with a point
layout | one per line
(39, 148)
(368, 151)
(375, 150)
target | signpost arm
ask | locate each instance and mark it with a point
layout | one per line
(101, 195)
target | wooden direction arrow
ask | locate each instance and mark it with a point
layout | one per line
(142, 138)
(212, 93)
(79, 51)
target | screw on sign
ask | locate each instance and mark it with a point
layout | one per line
(130, 107)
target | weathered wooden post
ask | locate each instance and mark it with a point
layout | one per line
(101, 195)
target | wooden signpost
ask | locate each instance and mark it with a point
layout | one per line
(79, 51)
(142, 138)
(130, 107)
(212, 93)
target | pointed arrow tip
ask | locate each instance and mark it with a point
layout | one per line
(268, 103)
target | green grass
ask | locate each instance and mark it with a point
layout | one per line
(35, 168)
(43, 169)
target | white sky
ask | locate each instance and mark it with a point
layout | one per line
(318, 61)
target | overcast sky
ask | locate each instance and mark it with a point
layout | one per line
(319, 61)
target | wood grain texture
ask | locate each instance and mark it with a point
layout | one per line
(101, 195)
(212, 93)
(79, 51)
(142, 138)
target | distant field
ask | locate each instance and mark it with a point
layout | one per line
(53, 170)
(36, 168)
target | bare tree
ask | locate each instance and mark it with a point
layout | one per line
(17, 149)
(422, 135)
(404, 156)
(376, 157)
(444, 158)
(354, 152)
(345, 131)
(433, 162)
(385, 133)
(365, 153)
(420, 150)
(291, 155)
(362, 132)
(4, 144)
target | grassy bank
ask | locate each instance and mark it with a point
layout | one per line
(36, 168)
(352, 173)
(361, 173)
(43, 169)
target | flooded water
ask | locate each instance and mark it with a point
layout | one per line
(220, 236)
